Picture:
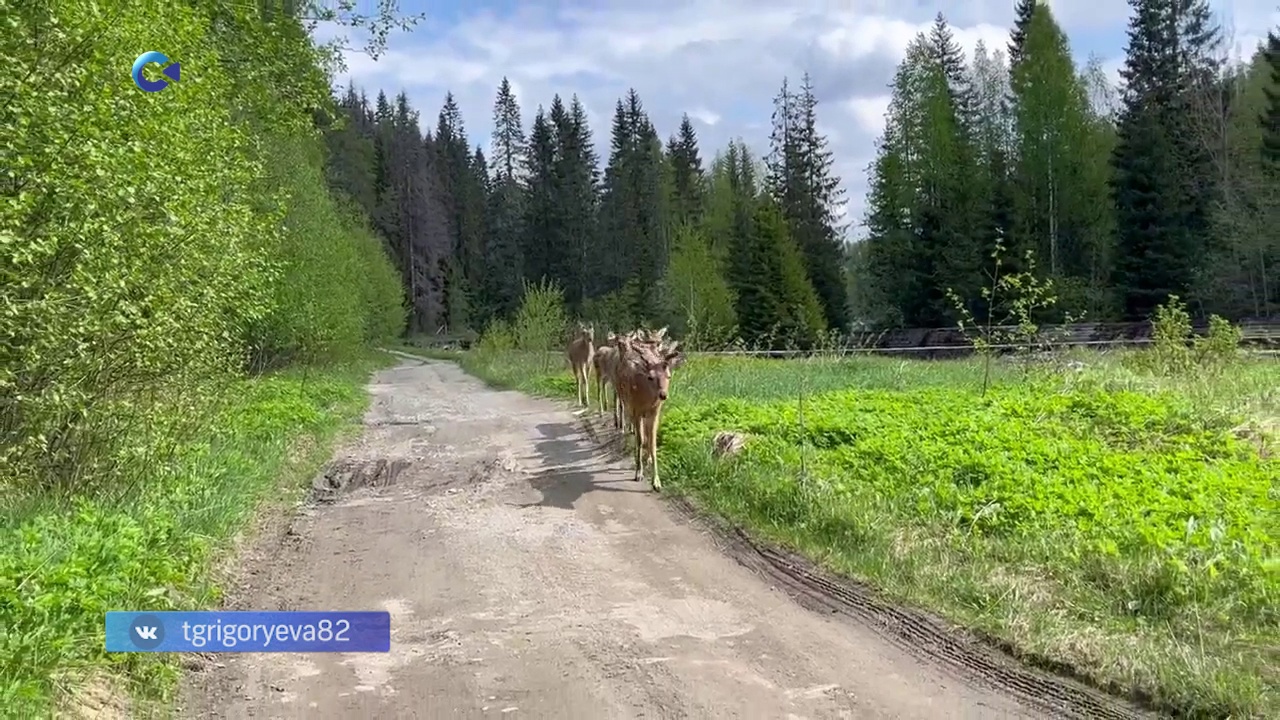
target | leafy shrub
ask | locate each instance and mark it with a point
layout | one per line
(152, 242)
(152, 245)
(1176, 350)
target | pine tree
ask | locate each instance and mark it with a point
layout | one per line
(350, 168)
(508, 135)
(633, 211)
(955, 215)
(539, 206)
(1022, 12)
(505, 217)
(801, 177)
(687, 173)
(575, 175)
(1270, 118)
(465, 202)
(1162, 180)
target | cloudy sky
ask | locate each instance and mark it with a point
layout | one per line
(720, 61)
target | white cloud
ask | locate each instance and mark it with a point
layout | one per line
(720, 61)
(868, 112)
(706, 117)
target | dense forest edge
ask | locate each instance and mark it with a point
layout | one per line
(188, 316)
(193, 285)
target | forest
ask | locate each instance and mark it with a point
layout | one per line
(195, 285)
(1012, 161)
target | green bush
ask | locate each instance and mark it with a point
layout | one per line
(153, 246)
(152, 243)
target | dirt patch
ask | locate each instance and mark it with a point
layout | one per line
(344, 476)
(98, 699)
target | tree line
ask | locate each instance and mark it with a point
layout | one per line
(1169, 188)
(742, 245)
(1115, 198)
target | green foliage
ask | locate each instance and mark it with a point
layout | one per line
(336, 287)
(62, 565)
(700, 303)
(1178, 351)
(1083, 518)
(151, 246)
(541, 321)
(1023, 297)
(615, 311)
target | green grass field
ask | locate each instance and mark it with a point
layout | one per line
(1120, 522)
(155, 546)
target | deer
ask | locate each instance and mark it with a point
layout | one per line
(606, 362)
(621, 420)
(581, 351)
(643, 385)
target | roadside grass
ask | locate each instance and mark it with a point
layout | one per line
(1120, 525)
(64, 562)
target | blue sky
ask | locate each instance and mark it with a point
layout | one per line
(720, 61)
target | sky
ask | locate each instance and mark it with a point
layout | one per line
(720, 61)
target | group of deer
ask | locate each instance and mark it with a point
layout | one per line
(638, 366)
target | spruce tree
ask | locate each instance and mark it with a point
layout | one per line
(539, 206)
(687, 173)
(802, 179)
(1022, 12)
(504, 260)
(1163, 179)
(1270, 118)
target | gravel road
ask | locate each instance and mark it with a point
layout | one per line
(528, 576)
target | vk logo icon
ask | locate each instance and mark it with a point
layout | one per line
(172, 72)
(145, 631)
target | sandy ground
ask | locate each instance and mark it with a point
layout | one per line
(527, 575)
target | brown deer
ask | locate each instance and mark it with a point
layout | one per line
(581, 351)
(635, 338)
(606, 362)
(644, 382)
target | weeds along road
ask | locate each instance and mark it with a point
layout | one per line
(528, 575)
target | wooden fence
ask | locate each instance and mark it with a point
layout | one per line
(1258, 335)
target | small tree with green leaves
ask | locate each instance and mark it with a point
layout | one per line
(1025, 297)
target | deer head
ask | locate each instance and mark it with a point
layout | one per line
(657, 366)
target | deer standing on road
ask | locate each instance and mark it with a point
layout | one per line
(581, 351)
(606, 363)
(622, 420)
(643, 384)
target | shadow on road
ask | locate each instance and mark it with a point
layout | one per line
(573, 466)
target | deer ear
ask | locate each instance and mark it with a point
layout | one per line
(675, 358)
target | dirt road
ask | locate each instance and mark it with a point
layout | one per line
(528, 576)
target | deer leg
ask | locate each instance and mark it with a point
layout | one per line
(652, 440)
(639, 454)
(586, 386)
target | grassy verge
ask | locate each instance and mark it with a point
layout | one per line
(1122, 525)
(64, 563)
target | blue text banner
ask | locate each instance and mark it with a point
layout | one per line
(249, 631)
